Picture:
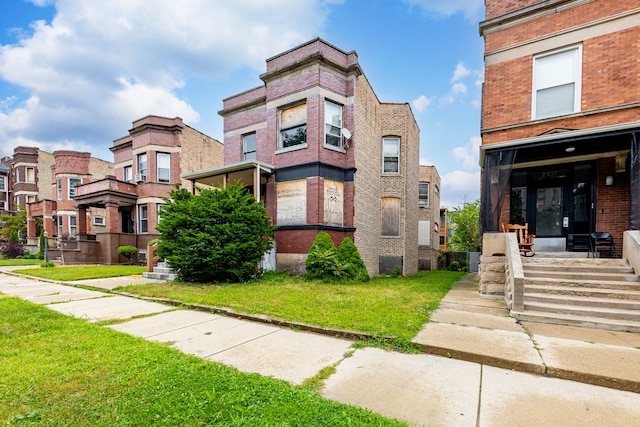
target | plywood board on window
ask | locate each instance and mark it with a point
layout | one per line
(293, 116)
(333, 202)
(292, 203)
(390, 216)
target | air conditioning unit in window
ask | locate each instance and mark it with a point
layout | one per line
(140, 177)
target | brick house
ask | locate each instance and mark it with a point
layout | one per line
(148, 162)
(323, 153)
(561, 119)
(54, 205)
(5, 186)
(429, 218)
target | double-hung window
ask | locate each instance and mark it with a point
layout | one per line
(391, 155)
(423, 194)
(30, 174)
(128, 174)
(142, 167)
(73, 182)
(143, 219)
(557, 79)
(3, 183)
(163, 161)
(72, 226)
(332, 124)
(293, 126)
(59, 188)
(249, 146)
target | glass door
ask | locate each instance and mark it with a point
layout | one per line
(549, 211)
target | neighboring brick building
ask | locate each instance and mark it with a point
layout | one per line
(323, 153)
(561, 119)
(29, 172)
(429, 225)
(148, 162)
(5, 186)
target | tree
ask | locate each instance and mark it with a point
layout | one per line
(323, 262)
(129, 252)
(349, 256)
(13, 226)
(465, 227)
(218, 235)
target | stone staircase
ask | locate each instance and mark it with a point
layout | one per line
(600, 293)
(161, 271)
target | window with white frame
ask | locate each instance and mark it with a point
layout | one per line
(293, 126)
(557, 80)
(143, 219)
(73, 183)
(332, 124)
(3, 183)
(142, 167)
(249, 146)
(72, 225)
(30, 174)
(31, 199)
(159, 212)
(59, 226)
(390, 217)
(423, 193)
(128, 174)
(99, 220)
(59, 187)
(163, 161)
(391, 155)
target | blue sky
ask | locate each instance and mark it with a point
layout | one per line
(74, 74)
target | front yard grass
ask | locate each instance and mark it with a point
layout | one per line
(71, 273)
(59, 370)
(384, 306)
(8, 262)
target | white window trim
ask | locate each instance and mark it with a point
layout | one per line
(399, 154)
(140, 219)
(102, 221)
(26, 174)
(158, 154)
(244, 147)
(577, 98)
(69, 195)
(428, 200)
(3, 183)
(331, 146)
(74, 228)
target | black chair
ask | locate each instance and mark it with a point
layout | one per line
(602, 242)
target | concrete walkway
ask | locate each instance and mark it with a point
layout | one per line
(421, 389)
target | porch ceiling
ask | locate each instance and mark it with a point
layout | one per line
(106, 197)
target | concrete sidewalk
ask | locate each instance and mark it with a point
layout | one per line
(421, 389)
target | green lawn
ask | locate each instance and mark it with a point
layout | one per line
(63, 371)
(70, 273)
(6, 262)
(384, 306)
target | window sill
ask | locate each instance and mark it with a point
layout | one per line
(391, 237)
(334, 148)
(292, 148)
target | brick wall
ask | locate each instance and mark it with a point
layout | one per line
(612, 202)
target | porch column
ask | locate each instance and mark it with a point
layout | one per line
(32, 238)
(49, 226)
(110, 250)
(81, 222)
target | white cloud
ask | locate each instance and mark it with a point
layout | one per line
(460, 72)
(98, 66)
(459, 186)
(459, 89)
(471, 9)
(421, 103)
(469, 153)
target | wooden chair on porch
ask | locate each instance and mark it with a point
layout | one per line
(525, 240)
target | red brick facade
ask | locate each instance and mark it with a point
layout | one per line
(597, 136)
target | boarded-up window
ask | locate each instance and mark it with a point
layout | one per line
(424, 233)
(391, 216)
(333, 202)
(293, 126)
(292, 203)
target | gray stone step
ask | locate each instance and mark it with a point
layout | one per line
(591, 283)
(584, 292)
(591, 312)
(163, 270)
(589, 301)
(159, 276)
(574, 320)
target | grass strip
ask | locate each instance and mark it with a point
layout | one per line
(63, 371)
(84, 272)
(384, 306)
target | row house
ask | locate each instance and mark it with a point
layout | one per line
(148, 163)
(429, 224)
(316, 145)
(561, 119)
(5, 182)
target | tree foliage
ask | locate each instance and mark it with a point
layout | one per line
(465, 227)
(129, 252)
(13, 226)
(349, 255)
(218, 235)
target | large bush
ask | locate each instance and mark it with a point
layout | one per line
(350, 257)
(218, 235)
(325, 262)
(10, 250)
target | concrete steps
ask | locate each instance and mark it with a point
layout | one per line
(161, 271)
(601, 293)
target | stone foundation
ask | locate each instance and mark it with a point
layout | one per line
(492, 275)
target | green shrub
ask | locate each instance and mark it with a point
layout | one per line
(129, 252)
(323, 262)
(41, 250)
(48, 264)
(352, 261)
